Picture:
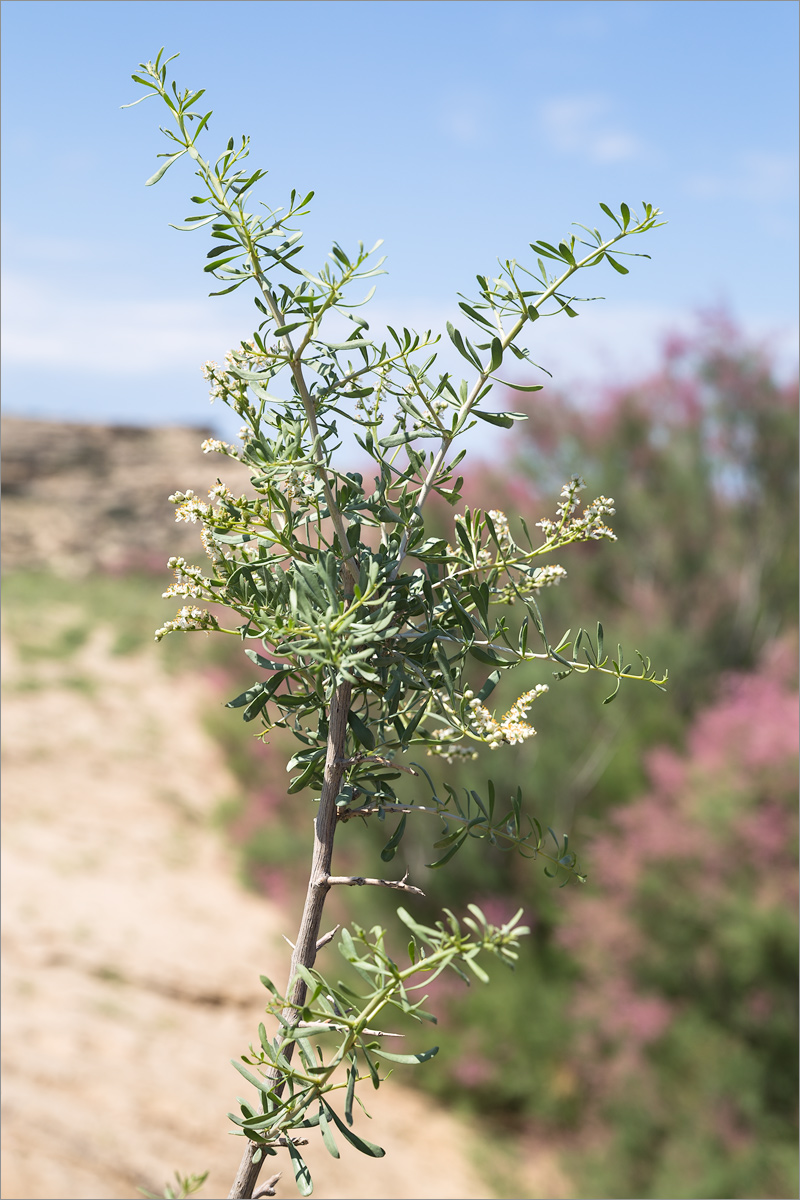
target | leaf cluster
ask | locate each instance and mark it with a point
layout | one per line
(336, 1045)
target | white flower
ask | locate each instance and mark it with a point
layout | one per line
(211, 445)
(189, 580)
(189, 507)
(188, 618)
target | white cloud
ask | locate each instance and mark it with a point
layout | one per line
(157, 347)
(51, 328)
(585, 125)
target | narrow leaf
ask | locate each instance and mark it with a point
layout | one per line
(360, 1143)
(301, 1172)
(327, 1136)
(163, 170)
(410, 1059)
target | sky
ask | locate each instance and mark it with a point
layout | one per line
(458, 131)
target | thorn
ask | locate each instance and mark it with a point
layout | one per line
(267, 1188)
(327, 937)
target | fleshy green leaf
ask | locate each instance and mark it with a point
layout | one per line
(301, 1172)
(161, 172)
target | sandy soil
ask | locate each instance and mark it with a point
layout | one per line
(131, 957)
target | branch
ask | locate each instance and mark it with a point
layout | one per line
(342, 1029)
(359, 881)
(384, 762)
(482, 380)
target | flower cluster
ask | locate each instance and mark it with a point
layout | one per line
(569, 498)
(589, 526)
(189, 580)
(190, 507)
(189, 618)
(225, 384)
(513, 726)
(447, 749)
(301, 485)
(511, 730)
(212, 548)
(212, 445)
(220, 491)
(539, 577)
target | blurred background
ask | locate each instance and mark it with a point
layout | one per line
(646, 1044)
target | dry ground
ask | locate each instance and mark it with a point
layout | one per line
(131, 957)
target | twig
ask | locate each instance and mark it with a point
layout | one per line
(400, 885)
(342, 1029)
(384, 762)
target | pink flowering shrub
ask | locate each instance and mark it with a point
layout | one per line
(687, 944)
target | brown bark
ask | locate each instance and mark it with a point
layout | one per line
(306, 944)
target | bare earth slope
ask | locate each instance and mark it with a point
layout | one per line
(131, 956)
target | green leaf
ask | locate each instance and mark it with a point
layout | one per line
(476, 316)
(617, 266)
(266, 663)
(325, 1130)
(355, 344)
(284, 329)
(245, 697)
(464, 351)
(213, 266)
(489, 656)
(163, 170)
(363, 734)
(390, 849)
(301, 1172)
(497, 353)
(489, 686)
(410, 1059)
(260, 1084)
(477, 971)
(360, 1143)
(304, 778)
(255, 706)
(352, 1075)
(502, 419)
(193, 223)
(394, 439)
(454, 849)
(609, 213)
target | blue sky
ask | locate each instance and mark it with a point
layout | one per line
(457, 131)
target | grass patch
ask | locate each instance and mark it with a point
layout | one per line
(49, 618)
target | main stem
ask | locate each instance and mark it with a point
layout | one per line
(305, 949)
